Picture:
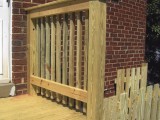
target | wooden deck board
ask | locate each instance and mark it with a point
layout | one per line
(35, 108)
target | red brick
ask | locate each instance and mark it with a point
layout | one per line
(19, 75)
(17, 68)
(19, 80)
(26, 5)
(19, 23)
(19, 36)
(15, 11)
(17, 55)
(17, 49)
(19, 62)
(39, 1)
(17, 4)
(17, 17)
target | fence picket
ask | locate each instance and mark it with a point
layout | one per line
(132, 114)
(144, 69)
(110, 108)
(142, 103)
(119, 82)
(128, 80)
(158, 110)
(123, 106)
(148, 101)
(154, 102)
(137, 79)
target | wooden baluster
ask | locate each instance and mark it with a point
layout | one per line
(58, 54)
(79, 56)
(53, 52)
(86, 40)
(37, 53)
(71, 56)
(42, 52)
(65, 62)
(48, 52)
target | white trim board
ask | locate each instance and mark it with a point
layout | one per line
(5, 43)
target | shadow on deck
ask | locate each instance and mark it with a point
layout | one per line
(27, 107)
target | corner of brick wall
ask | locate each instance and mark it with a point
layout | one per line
(126, 28)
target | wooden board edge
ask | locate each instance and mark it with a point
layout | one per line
(69, 91)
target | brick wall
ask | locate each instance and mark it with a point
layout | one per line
(126, 27)
(125, 39)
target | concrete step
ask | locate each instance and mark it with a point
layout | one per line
(6, 89)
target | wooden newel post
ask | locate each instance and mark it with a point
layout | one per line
(30, 53)
(96, 63)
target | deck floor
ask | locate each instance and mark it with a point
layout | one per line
(35, 108)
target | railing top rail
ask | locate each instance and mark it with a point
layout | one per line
(54, 3)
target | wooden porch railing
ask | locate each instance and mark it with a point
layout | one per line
(66, 53)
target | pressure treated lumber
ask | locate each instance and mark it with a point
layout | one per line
(38, 47)
(148, 102)
(59, 10)
(31, 89)
(120, 81)
(71, 56)
(154, 104)
(48, 48)
(123, 107)
(31, 40)
(110, 107)
(96, 60)
(65, 52)
(58, 3)
(86, 42)
(128, 80)
(53, 52)
(48, 53)
(58, 54)
(28, 107)
(66, 90)
(79, 56)
(37, 53)
(43, 48)
(53, 48)
(144, 75)
(158, 110)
